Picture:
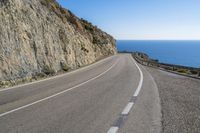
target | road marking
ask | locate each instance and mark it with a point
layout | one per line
(127, 108)
(58, 76)
(141, 80)
(113, 130)
(52, 96)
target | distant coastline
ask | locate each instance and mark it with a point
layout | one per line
(177, 52)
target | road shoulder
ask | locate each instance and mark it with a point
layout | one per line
(180, 102)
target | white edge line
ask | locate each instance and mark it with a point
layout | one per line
(25, 106)
(127, 108)
(57, 76)
(113, 130)
(141, 80)
(130, 104)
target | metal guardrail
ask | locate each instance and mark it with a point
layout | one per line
(167, 67)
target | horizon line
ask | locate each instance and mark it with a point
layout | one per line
(158, 39)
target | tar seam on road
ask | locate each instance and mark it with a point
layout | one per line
(123, 116)
(52, 96)
(57, 76)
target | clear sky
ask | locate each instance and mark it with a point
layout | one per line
(141, 19)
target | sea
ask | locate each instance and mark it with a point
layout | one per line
(186, 53)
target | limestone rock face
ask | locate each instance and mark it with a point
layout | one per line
(40, 37)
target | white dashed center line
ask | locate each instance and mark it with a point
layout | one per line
(113, 130)
(122, 117)
(127, 108)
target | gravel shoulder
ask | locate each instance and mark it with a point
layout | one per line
(180, 102)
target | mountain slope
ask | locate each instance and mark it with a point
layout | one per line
(39, 37)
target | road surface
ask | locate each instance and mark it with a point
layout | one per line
(113, 95)
(180, 102)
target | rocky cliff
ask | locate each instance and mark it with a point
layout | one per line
(39, 37)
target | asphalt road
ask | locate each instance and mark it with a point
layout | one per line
(180, 102)
(112, 95)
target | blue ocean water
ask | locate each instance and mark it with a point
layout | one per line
(185, 53)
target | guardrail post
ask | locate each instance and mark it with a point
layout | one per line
(173, 68)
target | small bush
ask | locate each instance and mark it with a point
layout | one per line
(48, 70)
(38, 76)
(185, 71)
(89, 28)
(4, 83)
(194, 72)
(64, 66)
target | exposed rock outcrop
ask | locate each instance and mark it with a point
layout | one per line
(39, 37)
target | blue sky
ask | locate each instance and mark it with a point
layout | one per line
(141, 19)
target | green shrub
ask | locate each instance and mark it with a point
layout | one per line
(4, 83)
(48, 70)
(185, 71)
(38, 76)
(194, 72)
(64, 66)
(89, 28)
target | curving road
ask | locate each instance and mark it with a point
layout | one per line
(113, 95)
